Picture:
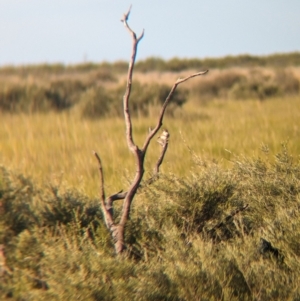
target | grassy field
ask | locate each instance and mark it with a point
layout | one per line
(221, 223)
(59, 145)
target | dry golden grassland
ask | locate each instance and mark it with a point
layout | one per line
(58, 146)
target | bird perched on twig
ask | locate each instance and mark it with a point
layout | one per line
(164, 137)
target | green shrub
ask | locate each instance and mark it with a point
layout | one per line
(257, 86)
(288, 83)
(96, 102)
(187, 238)
(26, 98)
(217, 86)
(63, 94)
(261, 86)
(10, 96)
(105, 75)
(25, 206)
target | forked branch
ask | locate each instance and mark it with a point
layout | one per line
(118, 229)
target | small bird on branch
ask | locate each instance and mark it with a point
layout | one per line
(164, 137)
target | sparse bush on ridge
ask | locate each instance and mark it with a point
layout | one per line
(260, 86)
(255, 84)
(217, 86)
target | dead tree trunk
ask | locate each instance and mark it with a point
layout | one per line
(117, 229)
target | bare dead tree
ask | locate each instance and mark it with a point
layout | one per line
(117, 229)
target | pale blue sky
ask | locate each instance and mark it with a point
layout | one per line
(71, 31)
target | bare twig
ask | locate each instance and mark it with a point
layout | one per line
(102, 192)
(126, 15)
(107, 212)
(181, 80)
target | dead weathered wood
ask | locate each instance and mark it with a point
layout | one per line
(117, 229)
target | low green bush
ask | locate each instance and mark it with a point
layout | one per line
(262, 86)
(96, 102)
(31, 97)
(216, 235)
(217, 86)
(25, 206)
(63, 94)
(257, 86)
(22, 98)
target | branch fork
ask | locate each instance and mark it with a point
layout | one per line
(118, 229)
